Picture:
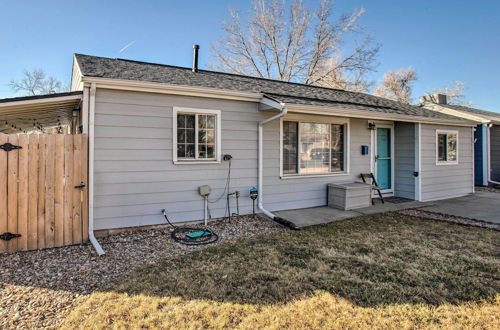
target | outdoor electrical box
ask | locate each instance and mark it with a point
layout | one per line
(364, 150)
(204, 190)
(254, 193)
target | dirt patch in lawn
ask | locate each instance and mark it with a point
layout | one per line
(384, 270)
(39, 288)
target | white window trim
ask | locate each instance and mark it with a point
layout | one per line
(218, 140)
(299, 119)
(447, 162)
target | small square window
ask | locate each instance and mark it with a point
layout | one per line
(196, 135)
(447, 147)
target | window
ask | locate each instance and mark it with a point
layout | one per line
(290, 145)
(196, 135)
(447, 147)
(313, 148)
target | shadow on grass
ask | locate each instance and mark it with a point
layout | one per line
(371, 261)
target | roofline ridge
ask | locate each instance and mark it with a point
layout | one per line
(228, 74)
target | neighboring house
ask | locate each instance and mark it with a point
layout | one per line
(158, 132)
(486, 136)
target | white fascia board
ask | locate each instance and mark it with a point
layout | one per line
(456, 113)
(45, 101)
(151, 87)
(76, 76)
(366, 115)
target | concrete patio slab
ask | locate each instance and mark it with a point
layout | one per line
(323, 214)
(481, 205)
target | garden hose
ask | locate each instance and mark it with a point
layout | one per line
(191, 235)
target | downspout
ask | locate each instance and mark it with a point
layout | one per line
(282, 221)
(92, 238)
(489, 154)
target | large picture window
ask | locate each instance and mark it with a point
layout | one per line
(313, 148)
(196, 135)
(447, 147)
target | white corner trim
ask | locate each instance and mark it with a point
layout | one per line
(218, 141)
(485, 153)
(445, 163)
(418, 161)
(85, 110)
(92, 103)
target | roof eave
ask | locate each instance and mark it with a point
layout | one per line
(162, 88)
(325, 110)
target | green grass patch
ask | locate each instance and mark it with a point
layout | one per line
(369, 265)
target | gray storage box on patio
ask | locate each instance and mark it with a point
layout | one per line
(348, 196)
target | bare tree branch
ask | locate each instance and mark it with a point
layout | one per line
(455, 93)
(397, 85)
(36, 82)
(297, 46)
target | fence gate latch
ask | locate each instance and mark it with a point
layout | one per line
(9, 147)
(81, 185)
(8, 236)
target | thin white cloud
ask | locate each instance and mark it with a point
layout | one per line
(127, 46)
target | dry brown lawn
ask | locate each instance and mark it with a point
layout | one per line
(382, 271)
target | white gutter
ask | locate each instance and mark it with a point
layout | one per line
(344, 112)
(282, 113)
(92, 238)
(163, 88)
(489, 154)
(485, 151)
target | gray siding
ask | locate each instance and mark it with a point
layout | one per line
(135, 177)
(404, 160)
(134, 174)
(446, 181)
(495, 153)
(301, 192)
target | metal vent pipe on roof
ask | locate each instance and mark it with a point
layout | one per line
(196, 48)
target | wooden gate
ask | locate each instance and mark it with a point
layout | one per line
(43, 193)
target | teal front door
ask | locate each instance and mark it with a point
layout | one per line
(383, 158)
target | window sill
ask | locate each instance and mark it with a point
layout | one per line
(195, 162)
(446, 163)
(304, 176)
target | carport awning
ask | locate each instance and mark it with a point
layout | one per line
(38, 113)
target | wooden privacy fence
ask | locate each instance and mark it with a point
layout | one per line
(43, 193)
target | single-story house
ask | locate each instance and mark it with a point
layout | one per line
(156, 133)
(486, 136)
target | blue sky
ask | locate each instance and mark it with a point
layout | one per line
(443, 40)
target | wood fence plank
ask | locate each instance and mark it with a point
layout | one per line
(23, 198)
(3, 192)
(68, 189)
(50, 225)
(33, 192)
(12, 163)
(37, 195)
(77, 193)
(59, 192)
(41, 191)
(85, 204)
